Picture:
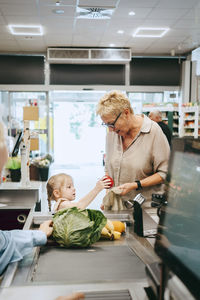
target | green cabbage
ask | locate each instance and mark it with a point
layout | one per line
(73, 227)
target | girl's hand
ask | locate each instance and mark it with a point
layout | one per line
(102, 206)
(103, 184)
(127, 187)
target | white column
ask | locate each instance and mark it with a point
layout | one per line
(185, 84)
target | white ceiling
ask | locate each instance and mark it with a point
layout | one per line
(181, 16)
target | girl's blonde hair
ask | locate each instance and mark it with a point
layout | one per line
(113, 103)
(55, 182)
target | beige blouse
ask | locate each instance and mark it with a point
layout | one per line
(148, 154)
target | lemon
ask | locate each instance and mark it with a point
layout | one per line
(119, 226)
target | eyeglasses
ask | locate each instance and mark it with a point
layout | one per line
(112, 125)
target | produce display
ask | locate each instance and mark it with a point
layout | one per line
(76, 228)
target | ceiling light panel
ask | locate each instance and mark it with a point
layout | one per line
(26, 29)
(150, 32)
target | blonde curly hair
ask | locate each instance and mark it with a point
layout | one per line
(113, 103)
(55, 182)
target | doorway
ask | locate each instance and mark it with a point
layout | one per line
(79, 138)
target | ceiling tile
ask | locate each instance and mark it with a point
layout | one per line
(69, 11)
(157, 23)
(18, 9)
(2, 20)
(135, 3)
(188, 24)
(177, 3)
(99, 3)
(167, 13)
(58, 39)
(9, 45)
(91, 26)
(140, 13)
(11, 2)
(53, 3)
(23, 20)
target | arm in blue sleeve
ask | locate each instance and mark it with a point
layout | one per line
(15, 244)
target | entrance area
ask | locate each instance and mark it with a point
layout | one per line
(79, 140)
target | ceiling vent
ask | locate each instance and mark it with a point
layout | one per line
(84, 12)
(88, 56)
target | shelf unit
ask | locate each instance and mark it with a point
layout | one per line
(189, 121)
(170, 115)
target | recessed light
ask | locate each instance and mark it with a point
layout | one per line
(27, 30)
(120, 31)
(131, 13)
(58, 11)
(112, 45)
(150, 32)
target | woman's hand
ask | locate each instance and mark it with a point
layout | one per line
(127, 187)
(47, 227)
(75, 296)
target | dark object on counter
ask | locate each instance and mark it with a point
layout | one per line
(144, 225)
(34, 173)
(43, 174)
(137, 214)
(158, 201)
(13, 218)
(15, 175)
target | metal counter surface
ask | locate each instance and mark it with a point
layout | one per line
(106, 266)
(13, 195)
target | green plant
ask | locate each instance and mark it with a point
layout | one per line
(43, 162)
(13, 163)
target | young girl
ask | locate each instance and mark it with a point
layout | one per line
(60, 188)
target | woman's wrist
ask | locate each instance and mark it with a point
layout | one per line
(134, 185)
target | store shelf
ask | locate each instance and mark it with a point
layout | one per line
(189, 121)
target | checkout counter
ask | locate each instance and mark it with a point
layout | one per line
(106, 270)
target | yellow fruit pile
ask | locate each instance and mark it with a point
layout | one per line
(113, 230)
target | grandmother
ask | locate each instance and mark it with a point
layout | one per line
(137, 151)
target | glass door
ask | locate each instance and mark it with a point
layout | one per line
(79, 138)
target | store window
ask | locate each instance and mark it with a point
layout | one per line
(79, 138)
(139, 99)
(4, 107)
(17, 101)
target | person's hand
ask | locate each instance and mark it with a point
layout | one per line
(75, 296)
(126, 187)
(46, 227)
(103, 184)
(102, 206)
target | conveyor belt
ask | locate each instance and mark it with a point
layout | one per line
(108, 295)
(96, 264)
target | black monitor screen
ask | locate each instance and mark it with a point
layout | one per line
(178, 241)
